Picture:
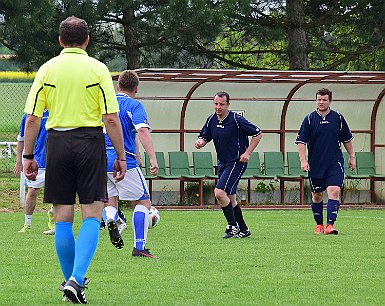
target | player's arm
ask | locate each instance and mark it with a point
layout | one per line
(146, 141)
(352, 159)
(137, 152)
(346, 137)
(19, 152)
(302, 140)
(200, 143)
(244, 158)
(114, 131)
(248, 129)
(32, 127)
(302, 156)
(204, 136)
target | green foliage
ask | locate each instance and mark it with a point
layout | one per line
(191, 195)
(282, 263)
(264, 188)
(266, 34)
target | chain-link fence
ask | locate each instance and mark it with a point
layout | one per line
(12, 101)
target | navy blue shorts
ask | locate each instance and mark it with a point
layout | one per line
(229, 175)
(320, 184)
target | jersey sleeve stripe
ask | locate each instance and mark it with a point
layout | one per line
(34, 104)
(346, 141)
(49, 85)
(104, 98)
(299, 141)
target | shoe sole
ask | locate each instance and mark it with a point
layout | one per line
(334, 232)
(228, 236)
(115, 237)
(144, 255)
(246, 236)
(71, 294)
(147, 256)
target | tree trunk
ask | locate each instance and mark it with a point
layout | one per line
(297, 45)
(131, 38)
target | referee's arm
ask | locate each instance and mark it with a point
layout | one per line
(32, 127)
(114, 131)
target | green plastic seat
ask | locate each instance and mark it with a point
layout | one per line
(294, 164)
(179, 165)
(203, 164)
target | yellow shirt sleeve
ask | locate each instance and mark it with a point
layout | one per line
(36, 100)
(107, 95)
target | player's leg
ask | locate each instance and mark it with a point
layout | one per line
(134, 188)
(333, 206)
(140, 228)
(243, 228)
(51, 223)
(110, 212)
(317, 187)
(30, 204)
(229, 176)
(334, 184)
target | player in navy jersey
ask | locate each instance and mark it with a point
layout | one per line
(322, 132)
(133, 187)
(230, 133)
(33, 186)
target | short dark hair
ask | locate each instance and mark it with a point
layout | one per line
(128, 80)
(73, 31)
(324, 92)
(222, 94)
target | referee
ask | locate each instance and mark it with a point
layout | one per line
(78, 92)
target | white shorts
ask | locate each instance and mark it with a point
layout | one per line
(132, 188)
(40, 179)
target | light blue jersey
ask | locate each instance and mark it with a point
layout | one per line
(132, 117)
(39, 149)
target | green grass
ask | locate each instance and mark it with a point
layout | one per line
(282, 263)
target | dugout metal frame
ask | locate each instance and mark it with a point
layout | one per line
(299, 79)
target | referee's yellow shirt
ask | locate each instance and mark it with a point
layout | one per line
(75, 88)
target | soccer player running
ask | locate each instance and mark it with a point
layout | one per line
(133, 187)
(322, 132)
(33, 186)
(230, 133)
(78, 91)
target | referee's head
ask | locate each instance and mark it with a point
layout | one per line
(73, 32)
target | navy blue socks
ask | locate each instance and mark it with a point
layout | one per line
(228, 211)
(332, 210)
(317, 209)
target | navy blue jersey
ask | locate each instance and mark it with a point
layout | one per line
(39, 149)
(230, 135)
(132, 117)
(323, 137)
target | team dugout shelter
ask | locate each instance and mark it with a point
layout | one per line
(178, 102)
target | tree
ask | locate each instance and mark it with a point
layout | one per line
(301, 35)
(146, 33)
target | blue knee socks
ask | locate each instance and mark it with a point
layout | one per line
(85, 248)
(140, 226)
(65, 247)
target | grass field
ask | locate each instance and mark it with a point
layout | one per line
(282, 263)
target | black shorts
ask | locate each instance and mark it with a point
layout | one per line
(75, 163)
(229, 175)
